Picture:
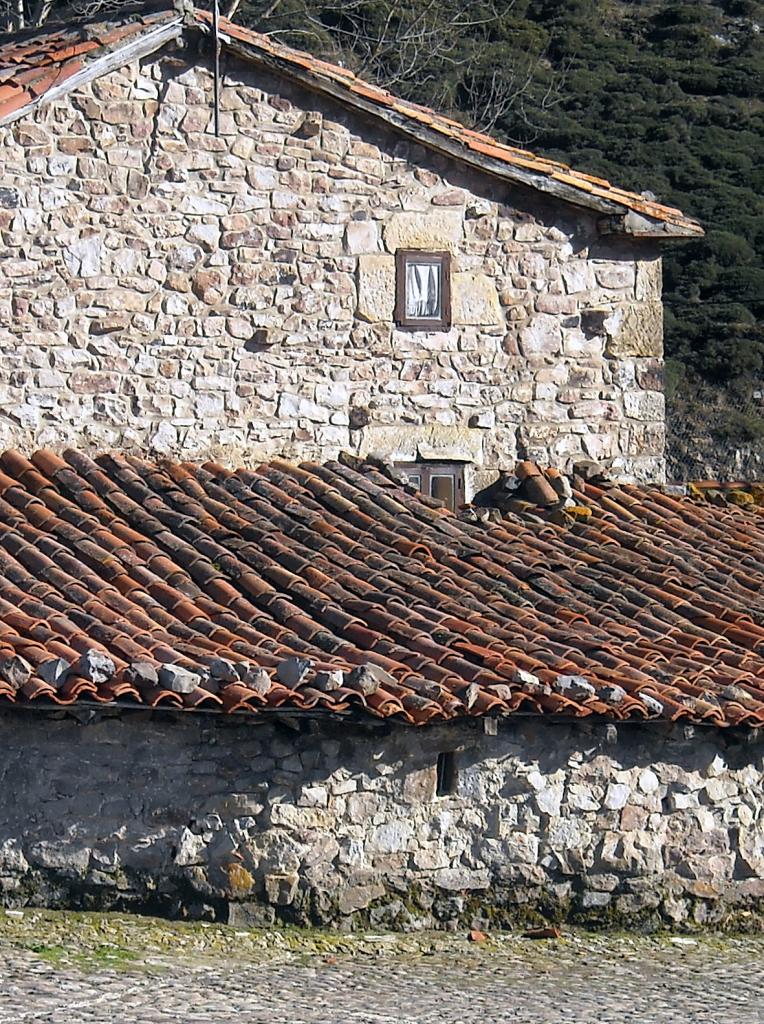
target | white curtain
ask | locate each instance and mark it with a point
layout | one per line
(422, 290)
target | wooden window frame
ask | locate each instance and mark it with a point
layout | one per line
(440, 259)
(427, 470)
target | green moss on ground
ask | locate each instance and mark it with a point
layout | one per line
(99, 941)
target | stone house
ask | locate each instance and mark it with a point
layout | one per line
(311, 692)
(320, 267)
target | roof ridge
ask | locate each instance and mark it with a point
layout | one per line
(554, 172)
(622, 211)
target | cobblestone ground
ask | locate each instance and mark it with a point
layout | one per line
(98, 969)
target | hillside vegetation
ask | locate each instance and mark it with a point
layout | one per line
(651, 94)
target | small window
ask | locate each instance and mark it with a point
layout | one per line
(446, 773)
(423, 290)
(441, 480)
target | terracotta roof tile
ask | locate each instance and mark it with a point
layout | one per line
(183, 565)
(39, 59)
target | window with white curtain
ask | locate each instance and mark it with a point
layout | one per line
(423, 293)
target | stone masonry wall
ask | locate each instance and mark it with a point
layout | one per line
(232, 297)
(253, 820)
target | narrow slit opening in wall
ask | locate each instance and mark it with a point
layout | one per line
(446, 773)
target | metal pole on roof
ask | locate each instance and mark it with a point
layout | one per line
(216, 64)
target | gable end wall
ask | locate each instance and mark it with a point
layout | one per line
(232, 297)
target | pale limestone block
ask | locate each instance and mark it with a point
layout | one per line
(436, 230)
(462, 878)
(649, 279)
(717, 766)
(683, 801)
(391, 837)
(521, 848)
(201, 205)
(577, 345)
(599, 446)
(635, 330)
(314, 796)
(362, 236)
(548, 800)
(581, 797)
(409, 443)
(648, 781)
(291, 816)
(645, 405)
(474, 300)
(243, 147)
(83, 258)
(335, 395)
(376, 287)
(542, 336)
(617, 796)
(578, 276)
(62, 164)
(207, 235)
(569, 839)
(615, 276)
(165, 439)
(528, 232)
(431, 858)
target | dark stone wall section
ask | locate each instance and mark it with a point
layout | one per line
(314, 821)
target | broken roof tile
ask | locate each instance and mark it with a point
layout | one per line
(42, 58)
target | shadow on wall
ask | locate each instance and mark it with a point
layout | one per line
(355, 825)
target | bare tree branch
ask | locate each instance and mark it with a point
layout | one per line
(433, 52)
(42, 12)
(18, 14)
(388, 41)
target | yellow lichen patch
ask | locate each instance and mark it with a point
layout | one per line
(579, 511)
(740, 498)
(240, 881)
